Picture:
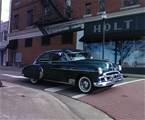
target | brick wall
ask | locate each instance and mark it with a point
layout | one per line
(30, 53)
(21, 10)
(78, 7)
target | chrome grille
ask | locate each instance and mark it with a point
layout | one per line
(109, 76)
(111, 73)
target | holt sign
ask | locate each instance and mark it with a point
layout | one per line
(132, 23)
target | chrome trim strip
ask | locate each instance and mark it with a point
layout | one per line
(54, 81)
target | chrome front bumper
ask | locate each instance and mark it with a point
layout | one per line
(108, 79)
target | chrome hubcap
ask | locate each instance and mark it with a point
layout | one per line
(33, 80)
(85, 84)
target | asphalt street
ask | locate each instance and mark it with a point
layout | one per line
(124, 101)
(15, 76)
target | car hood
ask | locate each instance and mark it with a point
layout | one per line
(92, 64)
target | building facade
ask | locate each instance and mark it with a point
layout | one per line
(27, 36)
(3, 42)
(39, 25)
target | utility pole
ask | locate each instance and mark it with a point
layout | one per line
(104, 16)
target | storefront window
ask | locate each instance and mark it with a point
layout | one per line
(129, 53)
(135, 54)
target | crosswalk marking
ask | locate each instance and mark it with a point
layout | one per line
(124, 83)
(78, 96)
(13, 76)
(56, 89)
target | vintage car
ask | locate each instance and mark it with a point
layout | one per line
(74, 67)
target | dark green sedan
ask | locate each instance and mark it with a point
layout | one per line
(74, 67)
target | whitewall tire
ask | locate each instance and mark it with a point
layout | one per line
(34, 81)
(40, 76)
(85, 85)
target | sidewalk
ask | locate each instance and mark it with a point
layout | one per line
(134, 75)
(21, 103)
(10, 68)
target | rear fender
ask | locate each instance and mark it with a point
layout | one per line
(33, 71)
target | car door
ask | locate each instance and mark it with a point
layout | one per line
(58, 70)
(54, 66)
(45, 61)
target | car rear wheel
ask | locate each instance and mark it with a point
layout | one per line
(85, 85)
(34, 80)
(39, 75)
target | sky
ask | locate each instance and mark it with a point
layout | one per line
(5, 10)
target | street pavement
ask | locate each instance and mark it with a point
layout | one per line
(21, 103)
(125, 101)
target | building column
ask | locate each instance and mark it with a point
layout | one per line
(79, 45)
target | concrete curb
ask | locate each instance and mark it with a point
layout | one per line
(10, 68)
(134, 75)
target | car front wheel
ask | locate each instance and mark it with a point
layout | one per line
(85, 85)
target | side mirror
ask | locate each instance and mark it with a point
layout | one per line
(119, 67)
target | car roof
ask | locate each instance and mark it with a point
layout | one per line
(65, 50)
(71, 51)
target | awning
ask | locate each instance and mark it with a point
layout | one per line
(113, 36)
(119, 28)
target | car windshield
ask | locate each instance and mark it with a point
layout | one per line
(78, 56)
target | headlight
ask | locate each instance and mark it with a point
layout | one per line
(100, 71)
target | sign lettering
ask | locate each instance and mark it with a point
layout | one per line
(115, 26)
(123, 24)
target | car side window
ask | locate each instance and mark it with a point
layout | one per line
(52, 56)
(57, 56)
(44, 57)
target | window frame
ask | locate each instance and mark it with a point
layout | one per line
(67, 38)
(68, 9)
(45, 41)
(88, 9)
(5, 37)
(30, 17)
(103, 4)
(130, 5)
(28, 42)
(16, 21)
(17, 2)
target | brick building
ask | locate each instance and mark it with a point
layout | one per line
(39, 25)
(3, 42)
